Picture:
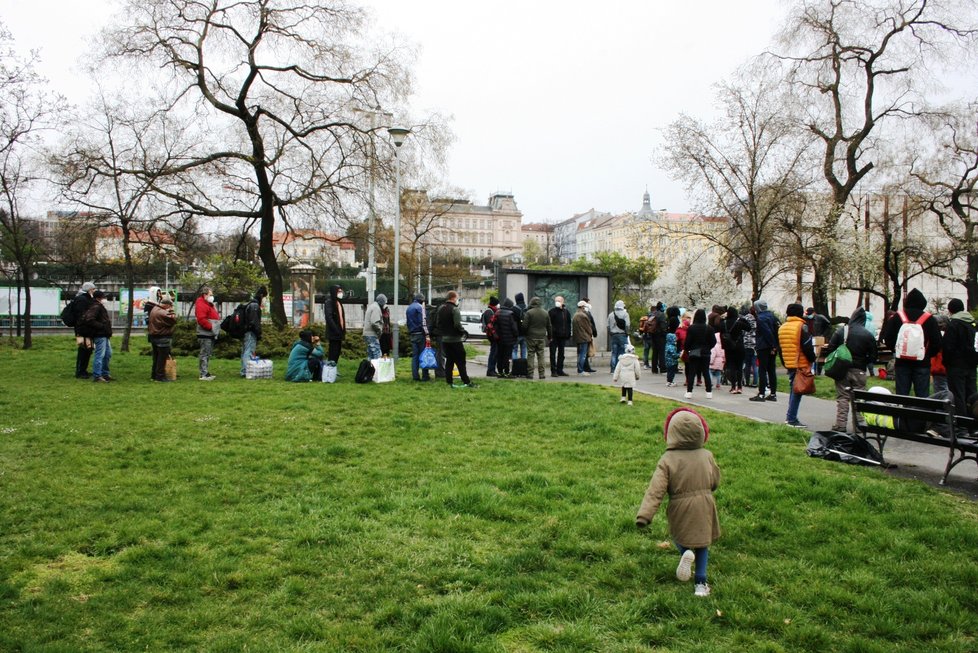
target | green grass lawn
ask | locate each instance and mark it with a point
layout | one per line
(264, 516)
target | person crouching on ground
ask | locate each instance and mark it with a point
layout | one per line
(305, 359)
(628, 371)
(689, 474)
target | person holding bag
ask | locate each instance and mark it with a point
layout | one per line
(797, 355)
(862, 347)
(162, 320)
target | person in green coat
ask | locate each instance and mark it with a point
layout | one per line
(306, 359)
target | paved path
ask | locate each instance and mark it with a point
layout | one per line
(907, 459)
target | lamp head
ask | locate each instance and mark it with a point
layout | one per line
(398, 135)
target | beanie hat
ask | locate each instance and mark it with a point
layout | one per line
(760, 305)
(87, 286)
(955, 305)
(381, 299)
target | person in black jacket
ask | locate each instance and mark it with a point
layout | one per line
(508, 331)
(913, 374)
(79, 304)
(335, 323)
(560, 318)
(252, 334)
(960, 355)
(862, 346)
(96, 322)
(733, 327)
(700, 339)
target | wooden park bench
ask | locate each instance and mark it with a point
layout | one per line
(913, 418)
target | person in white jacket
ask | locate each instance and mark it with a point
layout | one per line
(627, 371)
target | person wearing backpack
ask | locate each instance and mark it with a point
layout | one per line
(862, 346)
(618, 328)
(252, 328)
(96, 322)
(71, 316)
(960, 356)
(914, 337)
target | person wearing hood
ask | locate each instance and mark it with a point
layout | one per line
(766, 349)
(960, 356)
(797, 351)
(507, 333)
(77, 308)
(417, 326)
(335, 323)
(689, 475)
(208, 328)
(871, 327)
(252, 329)
(488, 328)
(699, 341)
(627, 371)
(560, 321)
(519, 310)
(305, 359)
(538, 329)
(619, 326)
(373, 326)
(862, 345)
(912, 368)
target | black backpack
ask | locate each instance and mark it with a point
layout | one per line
(236, 323)
(68, 314)
(365, 373)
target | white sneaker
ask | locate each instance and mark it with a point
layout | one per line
(629, 403)
(688, 395)
(709, 395)
(623, 400)
(702, 589)
(683, 571)
(209, 377)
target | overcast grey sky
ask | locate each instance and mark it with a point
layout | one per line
(559, 102)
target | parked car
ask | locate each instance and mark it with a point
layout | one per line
(472, 323)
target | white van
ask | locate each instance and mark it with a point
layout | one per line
(472, 323)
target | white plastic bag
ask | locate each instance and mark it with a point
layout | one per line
(329, 373)
(383, 370)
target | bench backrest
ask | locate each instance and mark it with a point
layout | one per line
(903, 406)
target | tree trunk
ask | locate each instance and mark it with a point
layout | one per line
(820, 293)
(25, 269)
(971, 281)
(267, 255)
(130, 281)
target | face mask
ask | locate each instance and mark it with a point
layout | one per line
(560, 304)
(339, 295)
(210, 299)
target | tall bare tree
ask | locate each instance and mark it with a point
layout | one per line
(948, 176)
(94, 169)
(858, 65)
(746, 167)
(27, 109)
(272, 85)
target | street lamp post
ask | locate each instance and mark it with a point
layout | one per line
(398, 135)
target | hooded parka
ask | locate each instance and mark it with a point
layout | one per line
(688, 474)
